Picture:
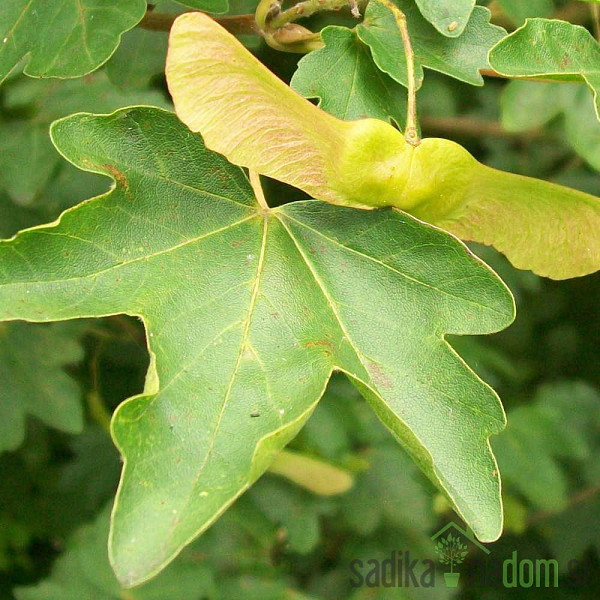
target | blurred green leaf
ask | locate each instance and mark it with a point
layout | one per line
(527, 105)
(517, 10)
(83, 571)
(389, 493)
(33, 380)
(550, 49)
(295, 511)
(132, 66)
(28, 159)
(556, 425)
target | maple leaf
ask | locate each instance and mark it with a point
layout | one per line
(248, 311)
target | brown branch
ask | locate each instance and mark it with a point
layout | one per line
(581, 496)
(474, 127)
(238, 25)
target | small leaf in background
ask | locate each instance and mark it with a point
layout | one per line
(389, 494)
(575, 530)
(347, 82)
(554, 426)
(83, 571)
(14, 217)
(461, 58)
(313, 474)
(517, 10)
(132, 66)
(27, 158)
(449, 17)
(242, 347)
(550, 49)
(33, 380)
(63, 39)
(295, 512)
(528, 105)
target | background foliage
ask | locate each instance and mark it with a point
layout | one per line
(58, 383)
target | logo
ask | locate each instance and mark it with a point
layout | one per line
(452, 551)
(452, 544)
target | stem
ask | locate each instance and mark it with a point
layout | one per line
(238, 25)
(97, 410)
(306, 9)
(581, 496)
(96, 406)
(475, 127)
(258, 191)
(411, 132)
(596, 20)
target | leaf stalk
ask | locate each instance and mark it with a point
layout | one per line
(411, 131)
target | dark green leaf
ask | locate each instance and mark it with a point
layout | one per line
(83, 572)
(552, 427)
(27, 158)
(247, 314)
(33, 380)
(63, 38)
(517, 10)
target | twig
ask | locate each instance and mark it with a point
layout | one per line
(238, 25)
(474, 127)
(595, 10)
(258, 191)
(582, 496)
(411, 132)
(308, 8)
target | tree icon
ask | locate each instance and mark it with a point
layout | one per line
(452, 552)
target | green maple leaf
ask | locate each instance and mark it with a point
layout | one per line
(63, 38)
(248, 311)
(449, 17)
(347, 82)
(69, 38)
(28, 159)
(462, 57)
(33, 380)
(550, 49)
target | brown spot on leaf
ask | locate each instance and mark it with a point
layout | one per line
(120, 179)
(326, 344)
(380, 377)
